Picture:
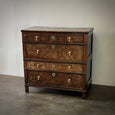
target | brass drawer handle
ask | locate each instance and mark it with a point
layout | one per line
(53, 74)
(38, 77)
(37, 51)
(69, 39)
(38, 65)
(53, 65)
(69, 80)
(69, 67)
(53, 47)
(53, 37)
(36, 38)
(69, 53)
(28, 64)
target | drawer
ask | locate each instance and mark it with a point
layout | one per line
(54, 38)
(54, 52)
(55, 79)
(51, 66)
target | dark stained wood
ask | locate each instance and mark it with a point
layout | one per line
(53, 37)
(64, 67)
(59, 58)
(55, 52)
(84, 95)
(27, 89)
(54, 71)
(56, 61)
(60, 79)
(84, 67)
(25, 72)
(60, 43)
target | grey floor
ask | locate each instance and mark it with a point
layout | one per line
(14, 101)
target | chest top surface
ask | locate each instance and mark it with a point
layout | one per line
(57, 29)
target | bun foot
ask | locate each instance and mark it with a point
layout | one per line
(83, 95)
(27, 89)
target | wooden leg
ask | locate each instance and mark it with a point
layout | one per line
(27, 89)
(83, 95)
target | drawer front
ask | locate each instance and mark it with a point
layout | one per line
(49, 66)
(54, 52)
(54, 37)
(55, 79)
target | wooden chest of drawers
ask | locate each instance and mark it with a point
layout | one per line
(59, 58)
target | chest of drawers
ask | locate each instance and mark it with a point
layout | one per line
(59, 58)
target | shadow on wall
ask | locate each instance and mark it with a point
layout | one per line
(103, 56)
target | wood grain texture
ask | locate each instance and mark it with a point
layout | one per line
(52, 66)
(58, 58)
(57, 37)
(60, 80)
(60, 52)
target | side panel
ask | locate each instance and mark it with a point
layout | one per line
(89, 59)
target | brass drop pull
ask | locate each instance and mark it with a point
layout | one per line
(69, 39)
(69, 67)
(53, 65)
(69, 53)
(38, 77)
(69, 80)
(38, 65)
(28, 64)
(36, 38)
(53, 47)
(53, 74)
(53, 37)
(37, 51)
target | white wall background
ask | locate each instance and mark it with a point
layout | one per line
(19, 14)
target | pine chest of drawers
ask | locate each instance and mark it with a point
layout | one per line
(59, 58)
